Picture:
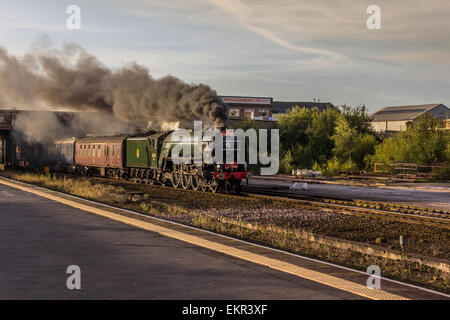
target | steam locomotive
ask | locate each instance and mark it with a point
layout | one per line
(145, 159)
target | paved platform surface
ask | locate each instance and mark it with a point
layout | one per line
(40, 238)
(433, 199)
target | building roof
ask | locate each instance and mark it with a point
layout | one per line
(283, 106)
(399, 113)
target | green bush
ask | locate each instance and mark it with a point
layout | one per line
(424, 142)
(334, 166)
(310, 138)
(287, 163)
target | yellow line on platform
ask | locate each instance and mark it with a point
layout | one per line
(295, 270)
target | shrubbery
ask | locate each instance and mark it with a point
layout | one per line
(330, 141)
(424, 142)
(339, 140)
(336, 140)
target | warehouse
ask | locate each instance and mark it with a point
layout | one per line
(246, 108)
(391, 120)
(265, 108)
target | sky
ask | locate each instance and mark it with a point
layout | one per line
(291, 50)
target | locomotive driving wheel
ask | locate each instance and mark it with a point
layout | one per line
(186, 181)
(196, 182)
(176, 179)
(214, 186)
(203, 185)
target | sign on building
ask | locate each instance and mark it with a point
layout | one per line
(246, 100)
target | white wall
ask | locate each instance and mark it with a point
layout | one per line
(381, 126)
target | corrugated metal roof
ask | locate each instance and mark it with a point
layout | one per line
(399, 113)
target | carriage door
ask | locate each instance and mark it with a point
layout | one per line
(108, 152)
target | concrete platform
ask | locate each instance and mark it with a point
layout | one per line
(40, 238)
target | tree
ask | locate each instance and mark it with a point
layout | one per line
(358, 118)
(351, 145)
(306, 135)
(424, 142)
(312, 137)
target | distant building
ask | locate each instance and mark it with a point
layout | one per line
(246, 108)
(395, 119)
(263, 110)
(282, 107)
(241, 109)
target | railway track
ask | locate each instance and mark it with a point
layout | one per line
(375, 209)
(385, 210)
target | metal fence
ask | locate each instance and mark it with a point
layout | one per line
(406, 170)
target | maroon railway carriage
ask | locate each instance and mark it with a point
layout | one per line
(97, 154)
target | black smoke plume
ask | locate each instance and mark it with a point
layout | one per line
(71, 79)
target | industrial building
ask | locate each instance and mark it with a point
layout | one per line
(264, 110)
(245, 108)
(394, 119)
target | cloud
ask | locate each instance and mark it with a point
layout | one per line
(244, 15)
(337, 31)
